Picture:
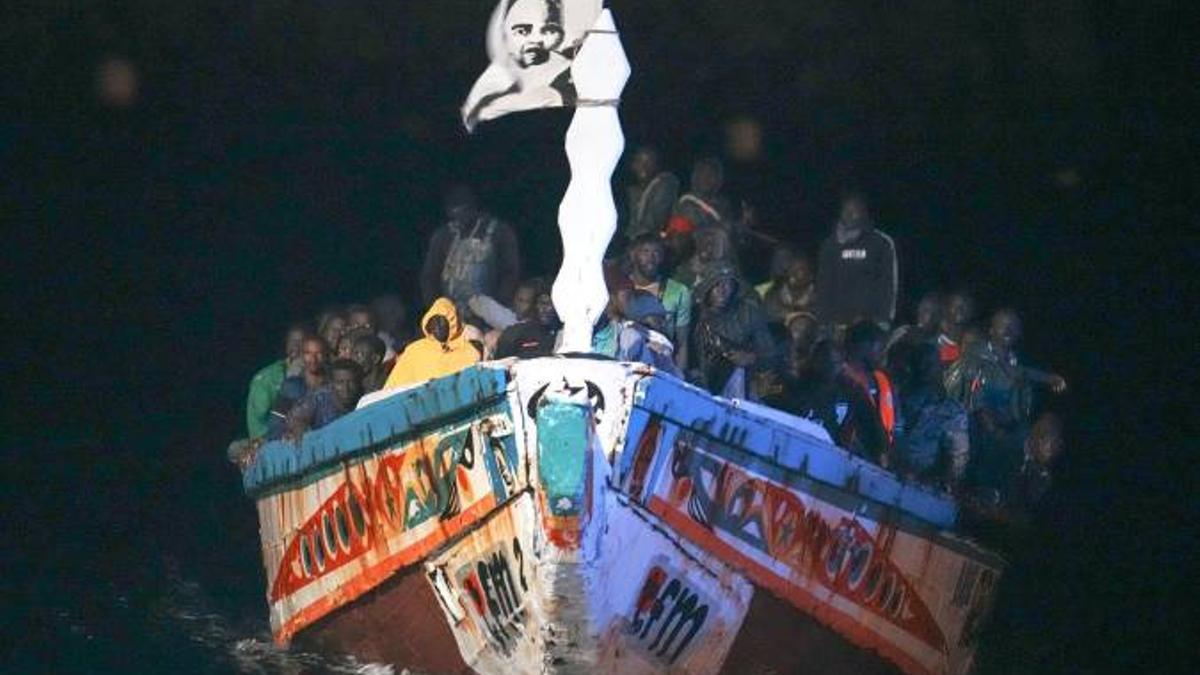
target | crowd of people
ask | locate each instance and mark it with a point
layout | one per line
(944, 400)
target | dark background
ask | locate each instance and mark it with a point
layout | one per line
(283, 154)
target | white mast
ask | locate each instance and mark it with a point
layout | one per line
(587, 216)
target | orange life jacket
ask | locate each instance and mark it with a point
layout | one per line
(884, 400)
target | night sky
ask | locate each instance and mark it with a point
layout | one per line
(280, 155)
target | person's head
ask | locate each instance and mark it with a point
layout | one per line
(438, 328)
(390, 314)
(716, 287)
(644, 165)
(864, 344)
(958, 311)
(544, 310)
(720, 294)
(929, 311)
(645, 308)
(524, 301)
(533, 29)
(923, 367)
(332, 327)
(1005, 330)
(646, 255)
(803, 330)
(1045, 441)
(712, 245)
(708, 175)
(826, 361)
(315, 353)
(345, 381)
(359, 316)
(368, 352)
(854, 212)
(461, 205)
(799, 276)
(293, 341)
(345, 346)
(781, 261)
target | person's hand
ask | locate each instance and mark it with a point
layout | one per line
(1057, 383)
(742, 358)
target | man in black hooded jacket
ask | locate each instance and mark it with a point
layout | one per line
(856, 269)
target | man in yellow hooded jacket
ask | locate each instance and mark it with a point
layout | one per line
(444, 350)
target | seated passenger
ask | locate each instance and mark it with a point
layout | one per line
(345, 346)
(957, 315)
(646, 255)
(781, 261)
(925, 330)
(533, 336)
(444, 350)
(368, 353)
(315, 354)
(1013, 502)
(731, 334)
(866, 402)
(713, 248)
(330, 326)
(796, 294)
(326, 403)
(998, 395)
(640, 337)
(935, 445)
(803, 331)
(391, 315)
(265, 384)
(360, 317)
(809, 390)
(499, 316)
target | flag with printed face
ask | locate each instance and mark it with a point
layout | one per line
(531, 44)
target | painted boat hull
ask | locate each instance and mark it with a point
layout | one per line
(575, 515)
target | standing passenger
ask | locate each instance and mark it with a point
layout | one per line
(474, 253)
(651, 196)
(856, 271)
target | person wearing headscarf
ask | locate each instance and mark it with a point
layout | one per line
(444, 350)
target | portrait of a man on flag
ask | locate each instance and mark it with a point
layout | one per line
(531, 44)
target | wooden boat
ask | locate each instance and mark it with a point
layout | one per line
(572, 514)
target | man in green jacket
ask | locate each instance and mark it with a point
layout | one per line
(265, 383)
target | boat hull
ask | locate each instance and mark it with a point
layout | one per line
(571, 515)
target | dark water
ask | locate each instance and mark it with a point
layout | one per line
(154, 254)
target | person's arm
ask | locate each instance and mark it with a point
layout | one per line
(683, 327)
(435, 260)
(300, 419)
(491, 311)
(508, 253)
(887, 276)
(659, 204)
(1056, 383)
(258, 407)
(825, 275)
